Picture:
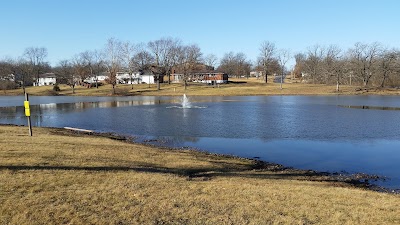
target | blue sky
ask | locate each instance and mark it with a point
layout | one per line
(69, 27)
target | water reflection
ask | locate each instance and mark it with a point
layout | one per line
(370, 107)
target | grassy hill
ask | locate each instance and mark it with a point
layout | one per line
(60, 177)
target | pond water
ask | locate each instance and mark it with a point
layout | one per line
(324, 133)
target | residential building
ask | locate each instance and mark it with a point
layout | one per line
(199, 73)
(45, 79)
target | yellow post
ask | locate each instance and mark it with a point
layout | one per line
(28, 113)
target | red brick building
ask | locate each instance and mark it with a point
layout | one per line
(200, 73)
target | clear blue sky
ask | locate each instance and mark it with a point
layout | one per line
(69, 27)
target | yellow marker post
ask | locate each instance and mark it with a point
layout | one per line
(27, 109)
(28, 113)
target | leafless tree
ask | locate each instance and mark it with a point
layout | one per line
(66, 73)
(188, 58)
(283, 57)
(313, 63)
(79, 71)
(267, 52)
(112, 60)
(210, 60)
(300, 59)
(333, 64)
(88, 61)
(128, 51)
(243, 65)
(364, 58)
(97, 64)
(164, 53)
(7, 80)
(227, 63)
(235, 64)
(36, 56)
(388, 65)
(142, 58)
(23, 73)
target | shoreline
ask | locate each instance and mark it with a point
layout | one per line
(357, 180)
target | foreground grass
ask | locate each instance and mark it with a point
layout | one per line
(236, 87)
(56, 177)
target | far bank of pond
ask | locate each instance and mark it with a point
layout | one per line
(238, 87)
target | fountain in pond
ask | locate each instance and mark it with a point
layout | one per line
(185, 102)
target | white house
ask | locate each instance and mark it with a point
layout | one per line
(137, 78)
(124, 78)
(45, 79)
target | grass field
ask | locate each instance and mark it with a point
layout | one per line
(243, 86)
(58, 177)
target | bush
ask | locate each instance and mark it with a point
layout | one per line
(56, 88)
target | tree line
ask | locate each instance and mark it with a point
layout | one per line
(363, 64)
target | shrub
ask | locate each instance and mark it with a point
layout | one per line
(56, 88)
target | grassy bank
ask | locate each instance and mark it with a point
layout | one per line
(59, 177)
(236, 87)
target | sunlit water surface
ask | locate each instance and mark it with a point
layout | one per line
(324, 133)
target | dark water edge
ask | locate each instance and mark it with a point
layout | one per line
(358, 180)
(369, 107)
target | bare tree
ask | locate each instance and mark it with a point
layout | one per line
(364, 60)
(128, 51)
(65, 73)
(112, 60)
(333, 64)
(235, 64)
(188, 58)
(242, 65)
(227, 63)
(98, 65)
(88, 59)
(283, 58)
(210, 60)
(36, 57)
(23, 73)
(300, 59)
(388, 65)
(142, 58)
(79, 71)
(7, 80)
(267, 51)
(164, 53)
(313, 63)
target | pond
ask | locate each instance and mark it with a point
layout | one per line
(324, 133)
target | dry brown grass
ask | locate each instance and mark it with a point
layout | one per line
(238, 87)
(56, 177)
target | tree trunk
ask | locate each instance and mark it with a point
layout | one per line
(383, 81)
(337, 85)
(113, 91)
(158, 82)
(266, 77)
(131, 81)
